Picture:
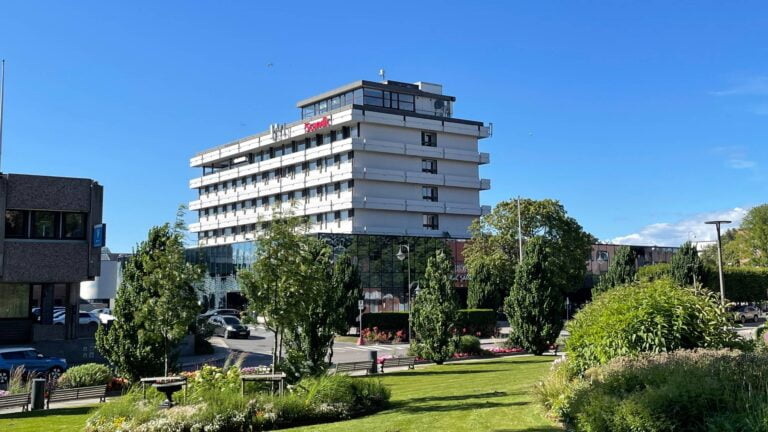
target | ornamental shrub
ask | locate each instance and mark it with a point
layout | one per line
(469, 345)
(682, 391)
(89, 374)
(473, 321)
(641, 317)
(653, 272)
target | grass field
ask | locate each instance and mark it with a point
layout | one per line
(481, 396)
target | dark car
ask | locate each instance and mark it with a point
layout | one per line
(228, 327)
(31, 361)
(221, 312)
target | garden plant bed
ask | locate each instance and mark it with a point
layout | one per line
(460, 396)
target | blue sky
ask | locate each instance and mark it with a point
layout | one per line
(643, 118)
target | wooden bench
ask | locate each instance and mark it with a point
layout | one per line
(366, 366)
(410, 362)
(154, 380)
(278, 378)
(17, 400)
(65, 394)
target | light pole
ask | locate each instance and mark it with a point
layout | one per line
(717, 224)
(401, 256)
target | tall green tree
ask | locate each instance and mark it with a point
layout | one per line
(310, 342)
(156, 304)
(686, 266)
(755, 224)
(435, 310)
(279, 286)
(535, 305)
(620, 271)
(496, 235)
(490, 281)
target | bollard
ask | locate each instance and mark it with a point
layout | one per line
(373, 356)
(38, 394)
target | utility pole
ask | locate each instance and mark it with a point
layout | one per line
(717, 223)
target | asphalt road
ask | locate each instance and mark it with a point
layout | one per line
(259, 348)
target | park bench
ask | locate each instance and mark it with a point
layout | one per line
(17, 400)
(278, 378)
(154, 380)
(65, 394)
(410, 362)
(366, 366)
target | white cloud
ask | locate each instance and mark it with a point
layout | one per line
(752, 86)
(735, 157)
(741, 163)
(674, 234)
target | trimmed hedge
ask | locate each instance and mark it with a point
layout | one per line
(475, 321)
(653, 272)
(742, 284)
(386, 321)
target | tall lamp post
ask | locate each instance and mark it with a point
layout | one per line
(717, 224)
(405, 252)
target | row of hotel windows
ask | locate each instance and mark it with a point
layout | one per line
(291, 171)
(428, 139)
(38, 224)
(326, 190)
(286, 149)
(364, 96)
(429, 221)
(319, 218)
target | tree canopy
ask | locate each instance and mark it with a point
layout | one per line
(620, 271)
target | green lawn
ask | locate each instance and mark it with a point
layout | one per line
(54, 420)
(482, 396)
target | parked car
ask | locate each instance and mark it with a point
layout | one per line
(36, 311)
(31, 361)
(221, 312)
(746, 313)
(104, 310)
(85, 318)
(228, 327)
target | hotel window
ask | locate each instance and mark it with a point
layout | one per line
(429, 139)
(429, 166)
(312, 193)
(430, 221)
(602, 255)
(406, 102)
(373, 97)
(73, 226)
(15, 223)
(429, 193)
(319, 218)
(337, 217)
(345, 132)
(301, 145)
(44, 224)
(326, 138)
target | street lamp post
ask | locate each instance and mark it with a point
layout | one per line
(401, 256)
(717, 224)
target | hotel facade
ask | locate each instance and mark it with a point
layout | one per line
(371, 165)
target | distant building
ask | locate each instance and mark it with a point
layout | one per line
(602, 256)
(370, 165)
(102, 291)
(47, 248)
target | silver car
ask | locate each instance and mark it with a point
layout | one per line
(746, 313)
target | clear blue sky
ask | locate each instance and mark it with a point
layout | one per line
(630, 113)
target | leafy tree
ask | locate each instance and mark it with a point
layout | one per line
(338, 289)
(685, 266)
(755, 224)
(435, 309)
(489, 283)
(495, 234)
(277, 285)
(620, 271)
(535, 303)
(155, 306)
(736, 252)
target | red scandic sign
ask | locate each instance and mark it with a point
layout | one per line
(322, 123)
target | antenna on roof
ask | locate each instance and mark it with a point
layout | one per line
(381, 74)
(2, 96)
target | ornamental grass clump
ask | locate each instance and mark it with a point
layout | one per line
(86, 375)
(654, 317)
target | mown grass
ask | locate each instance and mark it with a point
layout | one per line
(488, 396)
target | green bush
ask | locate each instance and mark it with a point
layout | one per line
(473, 321)
(89, 374)
(646, 317)
(653, 272)
(469, 345)
(680, 391)
(386, 321)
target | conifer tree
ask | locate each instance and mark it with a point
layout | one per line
(686, 267)
(621, 271)
(535, 304)
(435, 310)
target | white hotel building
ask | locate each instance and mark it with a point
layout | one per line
(369, 158)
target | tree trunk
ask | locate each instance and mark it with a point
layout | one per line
(274, 351)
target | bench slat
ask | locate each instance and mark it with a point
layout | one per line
(15, 400)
